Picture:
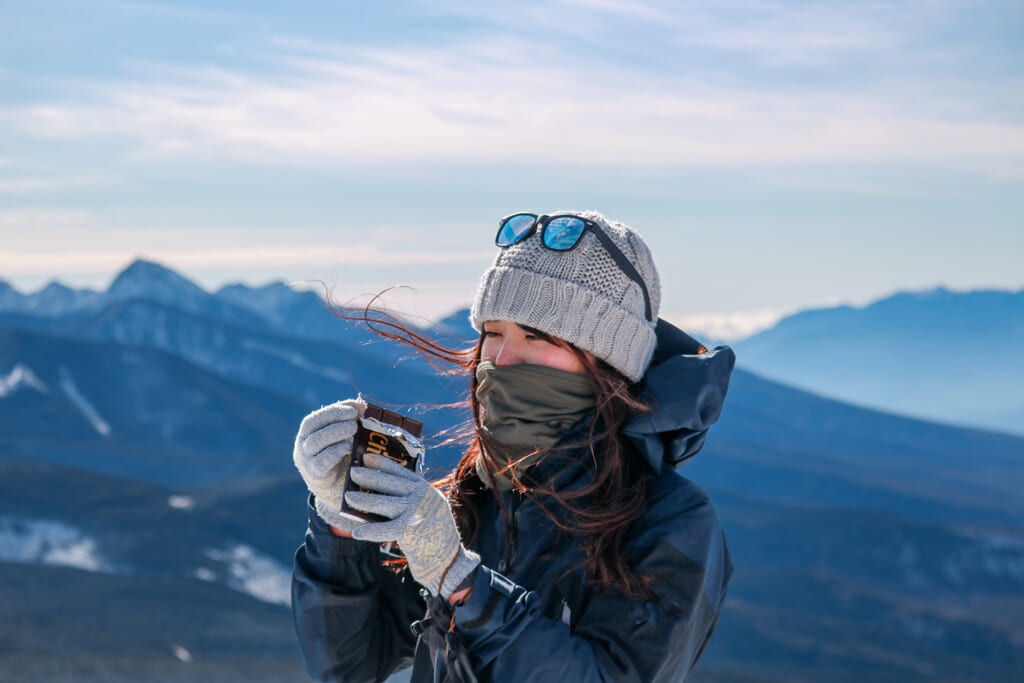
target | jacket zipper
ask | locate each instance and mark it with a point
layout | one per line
(511, 534)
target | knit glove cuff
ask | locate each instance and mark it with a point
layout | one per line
(330, 513)
(465, 563)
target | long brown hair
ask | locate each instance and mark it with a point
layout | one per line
(616, 471)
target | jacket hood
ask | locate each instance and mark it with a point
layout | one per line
(685, 386)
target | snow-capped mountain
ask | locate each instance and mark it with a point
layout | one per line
(141, 279)
(154, 282)
(277, 306)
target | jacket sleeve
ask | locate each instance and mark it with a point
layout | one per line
(614, 638)
(351, 614)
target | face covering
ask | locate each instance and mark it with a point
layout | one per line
(527, 410)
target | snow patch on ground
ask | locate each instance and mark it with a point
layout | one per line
(1001, 556)
(48, 542)
(21, 377)
(205, 574)
(254, 573)
(181, 502)
(67, 383)
(985, 558)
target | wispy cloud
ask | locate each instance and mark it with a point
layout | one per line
(506, 98)
(177, 12)
(18, 262)
(42, 183)
(85, 242)
(793, 32)
(29, 219)
(628, 8)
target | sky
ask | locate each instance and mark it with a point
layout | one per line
(776, 156)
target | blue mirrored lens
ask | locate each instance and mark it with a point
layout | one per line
(515, 229)
(563, 233)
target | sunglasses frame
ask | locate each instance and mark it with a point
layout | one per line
(543, 220)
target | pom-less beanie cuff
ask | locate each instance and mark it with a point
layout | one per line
(567, 310)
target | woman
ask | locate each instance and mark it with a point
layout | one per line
(564, 546)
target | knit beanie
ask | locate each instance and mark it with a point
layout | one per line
(580, 295)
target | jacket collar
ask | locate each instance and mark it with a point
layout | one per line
(686, 390)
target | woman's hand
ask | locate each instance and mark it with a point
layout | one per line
(419, 519)
(322, 450)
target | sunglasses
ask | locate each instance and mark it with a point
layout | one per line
(563, 232)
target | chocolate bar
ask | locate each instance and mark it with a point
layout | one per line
(382, 433)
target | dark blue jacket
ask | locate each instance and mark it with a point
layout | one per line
(532, 614)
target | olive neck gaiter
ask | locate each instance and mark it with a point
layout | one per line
(526, 411)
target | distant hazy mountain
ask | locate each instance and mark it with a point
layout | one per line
(299, 313)
(277, 306)
(954, 357)
(139, 280)
(782, 444)
(153, 282)
(53, 300)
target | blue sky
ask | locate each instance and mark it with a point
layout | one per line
(776, 155)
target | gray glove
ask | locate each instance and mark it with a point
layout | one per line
(420, 520)
(322, 450)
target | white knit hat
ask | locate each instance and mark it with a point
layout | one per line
(580, 295)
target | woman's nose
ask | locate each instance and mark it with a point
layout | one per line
(508, 354)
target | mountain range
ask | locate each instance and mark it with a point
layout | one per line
(941, 355)
(149, 508)
(935, 354)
